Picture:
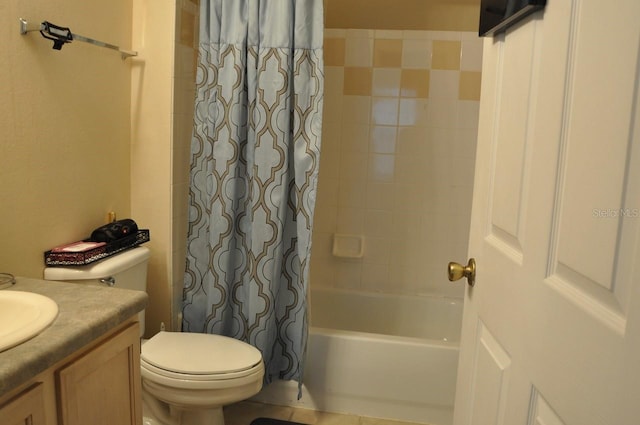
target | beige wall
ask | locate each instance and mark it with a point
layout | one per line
(398, 142)
(64, 128)
(83, 132)
(151, 117)
(163, 87)
(434, 15)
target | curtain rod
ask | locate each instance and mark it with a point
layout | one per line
(62, 35)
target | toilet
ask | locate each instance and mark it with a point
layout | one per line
(186, 377)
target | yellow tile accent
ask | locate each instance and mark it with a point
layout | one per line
(469, 88)
(387, 53)
(358, 81)
(414, 83)
(334, 50)
(446, 55)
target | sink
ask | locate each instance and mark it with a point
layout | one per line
(23, 315)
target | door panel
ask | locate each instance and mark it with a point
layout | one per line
(551, 330)
(511, 144)
(542, 413)
(491, 381)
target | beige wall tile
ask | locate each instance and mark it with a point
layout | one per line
(404, 224)
(380, 196)
(384, 110)
(358, 51)
(357, 109)
(443, 84)
(415, 83)
(334, 51)
(353, 168)
(387, 53)
(350, 194)
(378, 223)
(393, 161)
(348, 275)
(355, 138)
(358, 81)
(332, 107)
(322, 245)
(325, 219)
(469, 85)
(471, 59)
(334, 80)
(381, 168)
(375, 277)
(386, 82)
(446, 55)
(327, 192)
(416, 54)
(413, 112)
(383, 139)
(378, 250)
(412, 141)
(350, 221)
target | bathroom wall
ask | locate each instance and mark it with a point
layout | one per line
(151, 145)
(83, 132)
(397, 164)
(64, 128)
(434, 15)
(162, 114)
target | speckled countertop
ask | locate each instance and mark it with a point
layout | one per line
(85, 313)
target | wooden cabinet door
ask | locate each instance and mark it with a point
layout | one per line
(103, 386)
(26, 409)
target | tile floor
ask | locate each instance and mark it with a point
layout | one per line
(244, 412)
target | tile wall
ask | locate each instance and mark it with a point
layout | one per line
(397, 164)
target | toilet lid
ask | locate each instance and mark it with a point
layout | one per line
(199, 354)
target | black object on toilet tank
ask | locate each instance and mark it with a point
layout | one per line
(113, 231)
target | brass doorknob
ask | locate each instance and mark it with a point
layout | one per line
(458, 271)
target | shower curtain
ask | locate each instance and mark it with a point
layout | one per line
(254, 165)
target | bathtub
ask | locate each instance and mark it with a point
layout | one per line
(378, 355)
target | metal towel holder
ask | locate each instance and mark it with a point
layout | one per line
(62, 35)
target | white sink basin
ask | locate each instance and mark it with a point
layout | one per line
(23, 315)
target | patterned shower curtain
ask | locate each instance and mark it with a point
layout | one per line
(254, 165)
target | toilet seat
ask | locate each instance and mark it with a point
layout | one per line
(199, 360)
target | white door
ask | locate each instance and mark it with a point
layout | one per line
(551, 331)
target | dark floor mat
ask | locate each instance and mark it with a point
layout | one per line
(269, 421)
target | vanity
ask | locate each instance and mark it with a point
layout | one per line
(84, 368)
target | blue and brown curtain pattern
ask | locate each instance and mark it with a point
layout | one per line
(254, 166)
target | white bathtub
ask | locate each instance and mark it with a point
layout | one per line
(385, 356)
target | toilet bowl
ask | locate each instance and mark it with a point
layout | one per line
(194, 375)
(186, 377)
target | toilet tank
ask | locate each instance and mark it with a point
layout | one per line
(127, 270)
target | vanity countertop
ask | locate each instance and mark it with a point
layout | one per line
(86, 312)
